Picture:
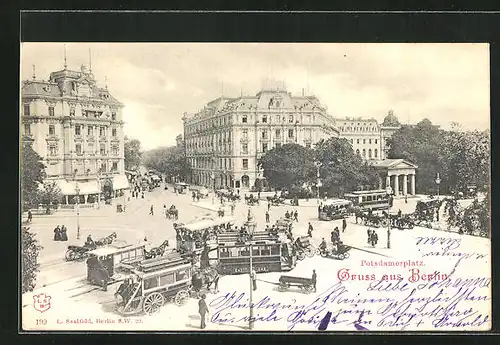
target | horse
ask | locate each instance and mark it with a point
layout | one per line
(173, 213)
(157, 251)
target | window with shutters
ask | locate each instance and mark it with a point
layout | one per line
(51, 111)
(52, 130)
(26, 109)
(78, 130)
(245, 164)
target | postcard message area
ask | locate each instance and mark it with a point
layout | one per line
(440, 283)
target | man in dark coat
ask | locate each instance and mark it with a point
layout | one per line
(203, 310)
(296, 216)
(267, 217)
(314, 279)
(344, 224)
(30, 216)
(310, 230)
(57, 233)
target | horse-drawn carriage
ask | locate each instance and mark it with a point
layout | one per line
(275, 200)
(303, 248)
(154, 282)
(305, 284)
(227, 194)
(402, 222)
(80, 252)
(156, 251)
(334, 209)
(105, 264)
(339, 251)
(371, 219)
(172, 213)
(251, 200)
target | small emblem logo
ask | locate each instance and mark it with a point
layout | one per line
(41, 302)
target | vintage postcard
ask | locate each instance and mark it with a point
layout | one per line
(255, 187)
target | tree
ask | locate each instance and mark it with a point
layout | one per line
(51, 193)
(420, 144)
(288, 166)
(32, 174)
(30, 249)
(133, 153)
(171, 161)
(341, 169)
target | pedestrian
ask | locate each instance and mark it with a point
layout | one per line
(369, 233)
(314, 279)
(64, 234)
(268, 205)
(267, 216)
(287, 215)
(193, 195)
(203, 310)
(142, 195)
(310, 230)
(232, 208)
(151, 210)
(198, 197)
(238, 192)
(296, 216)
(344, 224)
(253, 276)
(258, 195)
(216, 283)
(57, 233)
(406, 198)
(30, 216)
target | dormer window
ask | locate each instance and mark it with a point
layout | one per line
(113, 116)
(47, 88)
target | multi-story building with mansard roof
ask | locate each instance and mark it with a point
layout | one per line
(225, 139)
(77, 128)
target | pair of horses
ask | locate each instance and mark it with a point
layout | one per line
(156, 251)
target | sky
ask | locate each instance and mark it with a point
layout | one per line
(158, 82)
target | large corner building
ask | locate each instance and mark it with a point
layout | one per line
(226, 138)
(77, 128)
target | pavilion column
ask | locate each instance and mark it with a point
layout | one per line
(85, 198)
(66, 197)
(379, 182)
(396, 185)
(387, 181)
(412, 182)
(405, 184)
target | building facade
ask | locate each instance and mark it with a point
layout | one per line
(368, 138)
(77, 129)
(225, 139)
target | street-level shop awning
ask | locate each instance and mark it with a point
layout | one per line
(120, 182)
(67, 188)
(89, 187)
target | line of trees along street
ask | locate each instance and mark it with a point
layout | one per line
(291, 166)
(170, 161)
(461, 158)
(132, 153)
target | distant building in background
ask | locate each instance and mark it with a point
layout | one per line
(226, 138)
(179, 141)
(368, 138)
(77, 129)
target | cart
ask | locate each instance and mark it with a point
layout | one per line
(305, 284)
(303, 248)
(341, 253)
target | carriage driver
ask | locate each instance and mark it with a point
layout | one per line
(322, 245)
(90, 242)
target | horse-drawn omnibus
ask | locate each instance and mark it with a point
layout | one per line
(369, 199)
(334, 209)
(105, 264)
(269, 254)
(153, 282)
(190, 236)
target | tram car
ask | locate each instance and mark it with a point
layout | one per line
(269, 254)
(375, 200)
(151, 283)
(334, 209)
(190, 236)
(105, 264)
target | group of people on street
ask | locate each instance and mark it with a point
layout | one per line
(294, 215)
(372, 237)
(60, 233)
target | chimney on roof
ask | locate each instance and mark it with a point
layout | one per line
(65, 64)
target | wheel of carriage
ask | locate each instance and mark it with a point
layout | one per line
(341, 256)
(307, 288)
(317, 251)
(310, 253)
(346, 255)
(152, 303)
(283, 286)
(181, 297)
(70, 255)
(324, 253)
(301, 256)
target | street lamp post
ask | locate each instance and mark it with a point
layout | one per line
(99, 188)
(251, 228)
(389, 195)
(438, 182)
(318, 183)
